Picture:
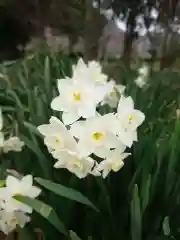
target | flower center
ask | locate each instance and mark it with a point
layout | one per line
(57, 139)
(13, 220)
(77, 163)
(98, 136)
(76, 97)
(112, 93)
(131, 119)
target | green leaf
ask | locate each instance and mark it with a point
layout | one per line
(47, 77)
(65, 192)
(43, 162)
(45, 211)
(32, 128)
(145, 193)
(136, 215)
(73, 235)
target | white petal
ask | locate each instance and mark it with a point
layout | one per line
(12, 183)
(27, 181)
(55, 121)
(63, 83)
(101, 152)
(117, 165)
(1, 139)
(34, 192)
(127, 138)
(125, 103)
(45, 129)
(59, 164)
(85, 148)
(69, 117)
(112, 141)
(77, 129)
(59, 104)
(105, 172)
(125, 155)
(101, 91)
(62, 157)
(140, 117)
(22, 218)
(87, 111)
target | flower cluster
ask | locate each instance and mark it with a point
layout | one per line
(12, 143)
(86, 142)
(142, 79)
(13, 212)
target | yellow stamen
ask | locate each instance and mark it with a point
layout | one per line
(77, 97)
(131, 118)
(57, 139)
(77, 163)
(97, 136)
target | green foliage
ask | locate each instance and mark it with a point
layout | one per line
(65, 192)
(45, 211)
(142, 201)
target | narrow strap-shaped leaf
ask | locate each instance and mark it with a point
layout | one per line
(43, 162)
(32, 128)
(65, 192)
(45, 211)
(136, 215)
(73, 235)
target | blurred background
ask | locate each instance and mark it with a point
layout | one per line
(110, 29)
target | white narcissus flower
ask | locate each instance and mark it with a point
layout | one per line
(56, 136)
(96, 74)
(113, 96)
(80, 165)
(95, 134)
(92, 72)
(113, 161)
(140, 81)
(13, 144)
(15, 187)
(9, 220)
(144, 70)
(125, 136)
(129, 117)
(78, 99)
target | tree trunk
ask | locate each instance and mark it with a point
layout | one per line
(129, 37)
(167, 16)
(93, 28)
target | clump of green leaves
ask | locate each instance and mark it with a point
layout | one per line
(134, 203)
